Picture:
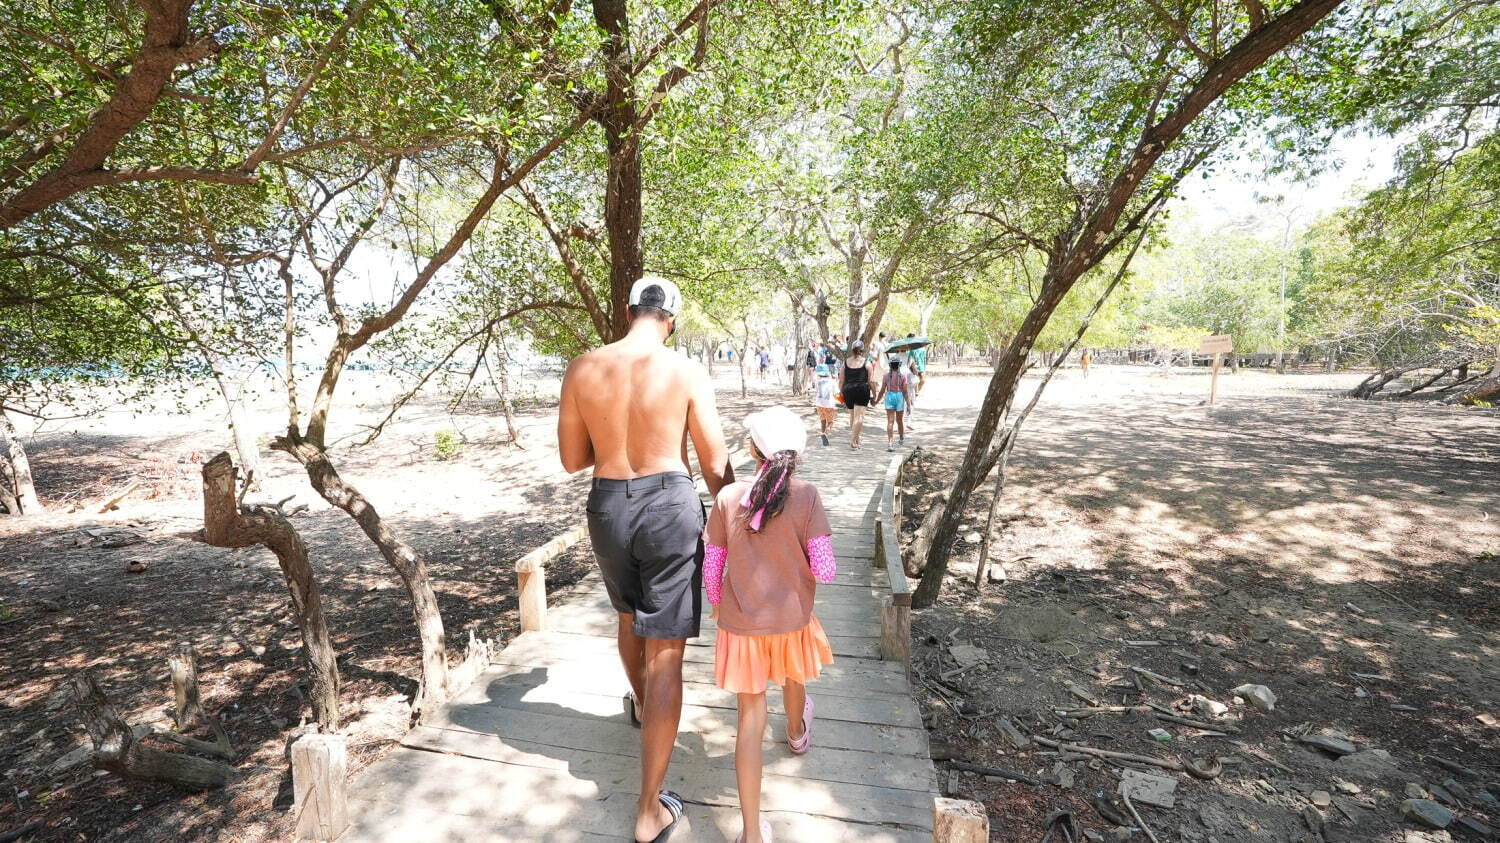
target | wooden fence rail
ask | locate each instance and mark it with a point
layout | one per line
(895, 615)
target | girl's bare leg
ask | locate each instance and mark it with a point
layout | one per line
(747, 761)
(890, 425)
(794, 694)
(901, 424)
(856, 424)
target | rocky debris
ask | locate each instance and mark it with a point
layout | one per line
(967, 655)
(1259, 696)
(1471, 827)
(1411, 835)
(1207, 708)
(1416, 791)
(1426, 813)
(1063, 775)
(1442, 795)
(1347, 788)
(72, 758)
(1332, 742)
(1454, 768)
(1458, 790)
(1149, 788)
(1321, 798)
(1369, 765)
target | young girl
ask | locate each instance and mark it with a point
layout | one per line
(767, 546)
(895, 389)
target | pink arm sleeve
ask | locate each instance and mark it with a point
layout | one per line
(713, 571)
(820, 558)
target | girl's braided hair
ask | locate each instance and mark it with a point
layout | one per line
(769, 493)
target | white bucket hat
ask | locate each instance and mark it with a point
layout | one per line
(776, 429)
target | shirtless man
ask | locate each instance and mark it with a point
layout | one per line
(628, 409)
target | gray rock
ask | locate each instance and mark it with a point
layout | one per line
(1257, 695)
(967, 654)
(70, 759)
(1369, 765)
(1149, 788)
(1416, 791)
(1425, 812)
(1471, 827)
(1442, 795)
(1487, 798)
(1458, 790)
(1330, 743)
(1119, 835)
(1321, 798)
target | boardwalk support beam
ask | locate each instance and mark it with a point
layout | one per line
(895, 615)
(531, 577)
(320, 767)
(959, 821)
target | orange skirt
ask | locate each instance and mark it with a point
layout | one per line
(744, 663)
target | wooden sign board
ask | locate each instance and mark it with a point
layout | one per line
(1216, 344)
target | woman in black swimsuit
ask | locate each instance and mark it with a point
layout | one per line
(854, 384)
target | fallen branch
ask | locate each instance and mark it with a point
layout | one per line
(1124, 794)
(1175, 766)
(981, 769)
(116, 748)
(1157, 677)
(122, 495)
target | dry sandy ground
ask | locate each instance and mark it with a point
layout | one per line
(1133, 513)
(67, 603)
(1342, 553)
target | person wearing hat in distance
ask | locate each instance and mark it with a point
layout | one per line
(628, 410)
(768, 545)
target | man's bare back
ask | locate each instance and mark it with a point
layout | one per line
(628, 409)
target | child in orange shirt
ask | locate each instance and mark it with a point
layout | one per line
(767, 546)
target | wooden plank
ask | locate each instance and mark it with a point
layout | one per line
(598, 662)
(824, 764)
(595, 615)
(531, 691)
(703, 729)
(533, 646)
(535, 802)
(384, 822)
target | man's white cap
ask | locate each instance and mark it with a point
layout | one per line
(776, 429)
(655, 291)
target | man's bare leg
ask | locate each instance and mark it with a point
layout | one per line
(661, 712)
(633, 657)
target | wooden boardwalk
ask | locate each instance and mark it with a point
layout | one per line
(539, 749)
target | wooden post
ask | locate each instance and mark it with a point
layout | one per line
(532, 584)
(959, 821)
(1213, 384)
(320, 765)
(531, 577)
(895, 629)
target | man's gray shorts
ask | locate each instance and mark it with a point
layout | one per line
(648, 537)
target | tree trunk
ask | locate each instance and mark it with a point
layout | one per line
(17, 491)
(226, 525)
(187, 713)
(989, 522)
(927, 311)
(622, 187)
(402, 557)
(507, 403)
(117, 749)
(797, 356)
(1487, 391)
(744, 358)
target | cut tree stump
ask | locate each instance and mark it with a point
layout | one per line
(320, 769)
(183, 666)
(959, 821)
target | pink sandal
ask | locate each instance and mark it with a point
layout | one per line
(801, 745)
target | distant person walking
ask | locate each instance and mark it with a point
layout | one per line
(825, 399)
(627, 410)
(895, 394)
(1085, 360)
(765, 362)
(768, 546)
(856, 379)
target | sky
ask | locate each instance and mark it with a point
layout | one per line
(1232, 196)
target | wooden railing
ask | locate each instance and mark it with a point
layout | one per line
(895, 614)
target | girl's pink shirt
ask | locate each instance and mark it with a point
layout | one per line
(768, 583)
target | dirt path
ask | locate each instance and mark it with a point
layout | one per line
(1342, 553)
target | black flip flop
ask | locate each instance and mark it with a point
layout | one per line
(673, 803)
(630, 709)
